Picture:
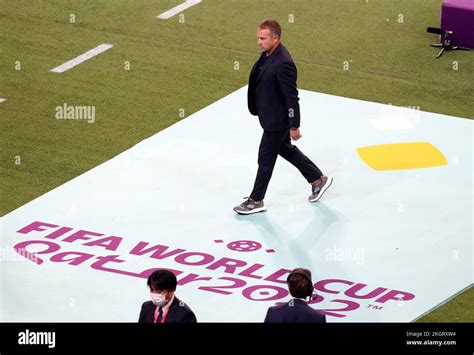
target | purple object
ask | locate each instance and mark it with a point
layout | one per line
(458, 16)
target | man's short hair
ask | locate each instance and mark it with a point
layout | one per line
(271, 25)
(163, 280)
(299, 283)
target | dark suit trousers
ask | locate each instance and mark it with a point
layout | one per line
(276, 143)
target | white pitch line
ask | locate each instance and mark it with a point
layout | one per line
(171, 12)
(2, 100)
(82, 58)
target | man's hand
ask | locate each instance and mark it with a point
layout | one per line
(295, 134)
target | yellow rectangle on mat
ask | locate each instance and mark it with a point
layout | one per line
(399, 156)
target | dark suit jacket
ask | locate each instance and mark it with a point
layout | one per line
(300, 312)
(178, 312)
(273, 93)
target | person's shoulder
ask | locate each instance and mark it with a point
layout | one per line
(285, 56)
(278, 307)
(317, 315)
(180, 304)
(183, 311)
(147, 304)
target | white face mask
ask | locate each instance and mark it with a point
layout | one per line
(158, 299)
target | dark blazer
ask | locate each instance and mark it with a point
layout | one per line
(178, 312)
(299, 312)
(273, 93)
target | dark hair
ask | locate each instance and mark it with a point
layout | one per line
(163, 280)
(271, 25)
(299, 283)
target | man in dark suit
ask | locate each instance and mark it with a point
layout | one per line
(296, 310)
(273, 97)
(164, 306)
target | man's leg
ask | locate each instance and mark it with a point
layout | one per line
(293, 155)
(319, 182)
(267, 155)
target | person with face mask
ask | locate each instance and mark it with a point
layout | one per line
(164, 306)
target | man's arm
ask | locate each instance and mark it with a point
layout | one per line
(251, 103)
(287, 81)
(189, 317)
(141, 318)
(267, 317)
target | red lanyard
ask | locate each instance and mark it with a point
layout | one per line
(163, 317)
